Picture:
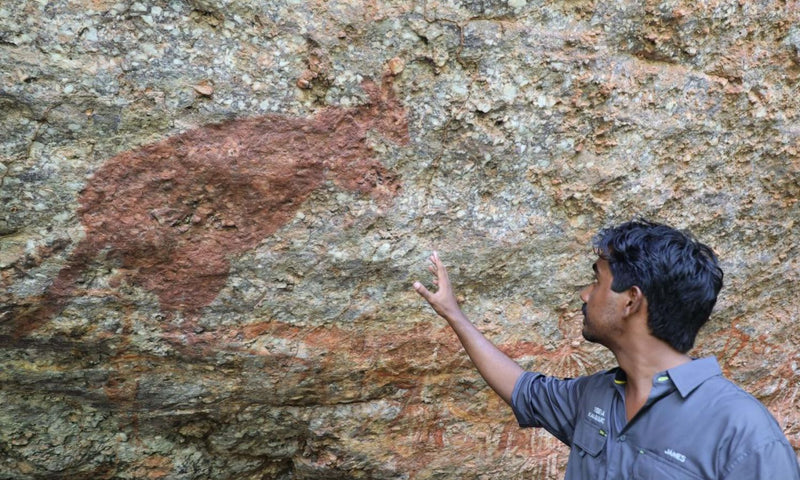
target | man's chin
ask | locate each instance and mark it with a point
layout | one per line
(588, 336)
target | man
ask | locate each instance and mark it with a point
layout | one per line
(660, 414)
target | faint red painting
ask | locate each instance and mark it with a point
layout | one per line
(172, 214)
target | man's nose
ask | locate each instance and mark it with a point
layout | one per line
(585, 293)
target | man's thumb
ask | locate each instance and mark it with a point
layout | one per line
(420, 288)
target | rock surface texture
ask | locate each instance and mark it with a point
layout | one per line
(212, 211)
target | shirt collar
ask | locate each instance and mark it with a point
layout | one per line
(685, 377)
(691, 375)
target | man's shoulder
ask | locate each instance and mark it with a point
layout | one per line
(576, 390)
(727, 395)
(748, 433)
(736, 408)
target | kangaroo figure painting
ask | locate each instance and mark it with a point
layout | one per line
(171, 214)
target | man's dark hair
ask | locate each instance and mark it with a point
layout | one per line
(678, 275)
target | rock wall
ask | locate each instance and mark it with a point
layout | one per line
(212, 212)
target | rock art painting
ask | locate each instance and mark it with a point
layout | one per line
(300, 365)
(171, 214)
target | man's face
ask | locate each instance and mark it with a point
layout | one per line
(602, 307)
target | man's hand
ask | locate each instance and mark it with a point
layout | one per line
(499, 371)
(444, 300)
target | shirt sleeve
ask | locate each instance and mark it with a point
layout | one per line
(547, 402)
(772, 460)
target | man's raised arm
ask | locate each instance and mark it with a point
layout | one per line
(499, 371)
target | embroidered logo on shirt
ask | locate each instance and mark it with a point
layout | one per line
(598, 415)
(677, 456)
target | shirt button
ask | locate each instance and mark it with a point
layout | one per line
(622, 438)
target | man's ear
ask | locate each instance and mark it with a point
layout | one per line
(636, 302)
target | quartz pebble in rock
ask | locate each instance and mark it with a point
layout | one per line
(204, 89)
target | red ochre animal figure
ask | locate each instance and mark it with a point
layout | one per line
(171, 214)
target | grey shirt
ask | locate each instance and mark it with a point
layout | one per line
(696, 424)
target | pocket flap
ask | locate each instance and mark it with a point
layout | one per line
(589, 437)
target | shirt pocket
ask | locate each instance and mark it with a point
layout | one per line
(648, 466)
(589, 437)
